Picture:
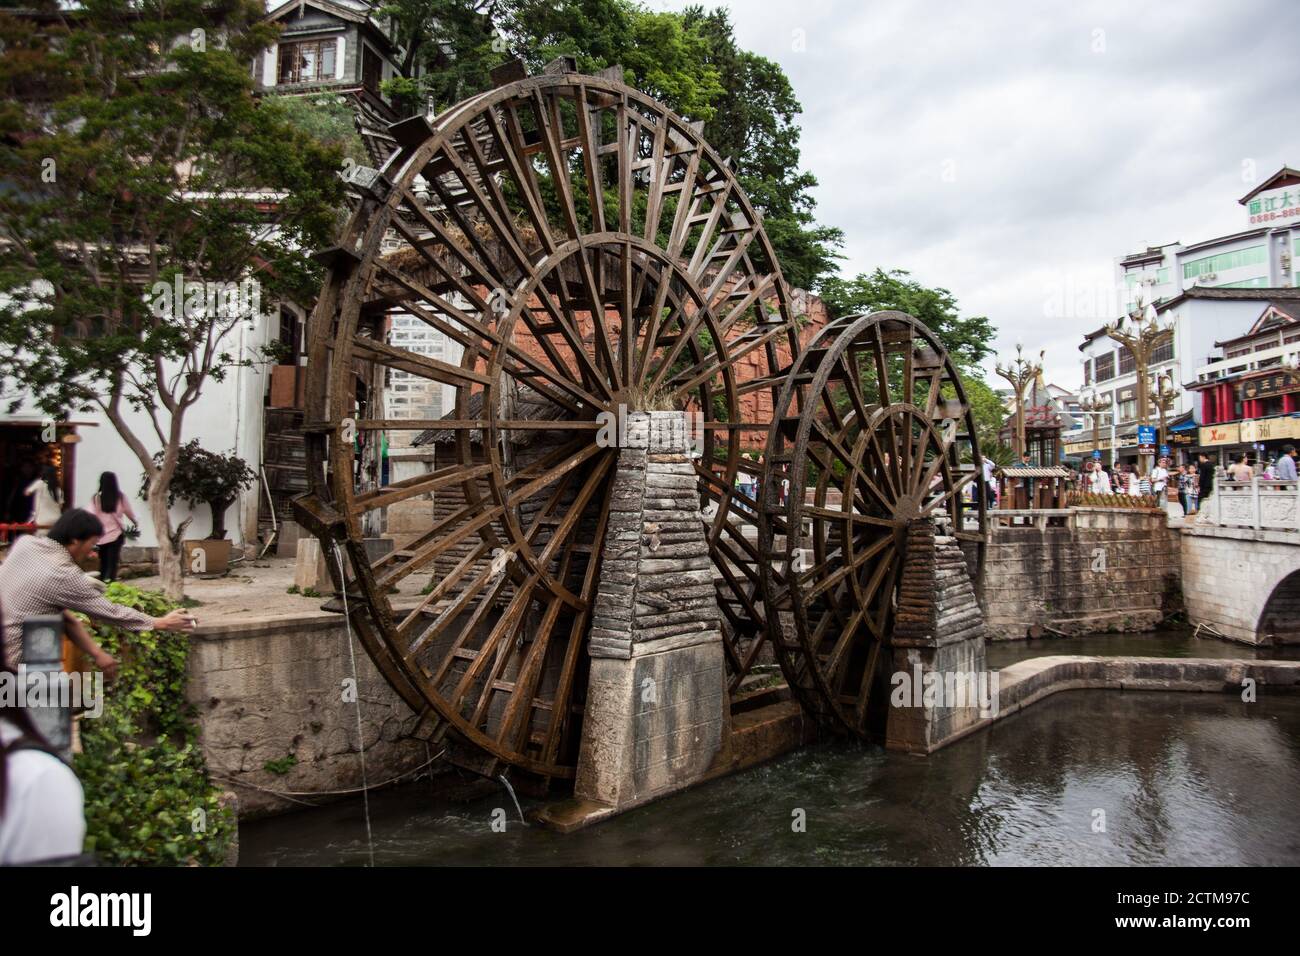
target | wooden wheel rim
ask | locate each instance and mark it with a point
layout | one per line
(839, 600)
(719, 293)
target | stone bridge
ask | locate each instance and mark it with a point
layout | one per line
(1241, 560)
(1243, 582)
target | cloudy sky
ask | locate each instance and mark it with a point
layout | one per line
(1009, 151)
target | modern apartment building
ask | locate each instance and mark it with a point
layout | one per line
(1176, 280)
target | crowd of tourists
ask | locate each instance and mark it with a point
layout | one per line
(1191, 483)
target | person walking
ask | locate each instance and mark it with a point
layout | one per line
(1204, 480)
(1240, 470)
(110, 506)
(1185, 488)
(1098, 480)
(40, 576)
(1286, 470)
(47, 499)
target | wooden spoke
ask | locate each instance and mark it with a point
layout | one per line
(566, 248)
(865, 451)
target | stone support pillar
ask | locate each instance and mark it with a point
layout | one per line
(656, 716)
(940, 686)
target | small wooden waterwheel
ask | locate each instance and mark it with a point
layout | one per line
(581, 250)
(873, 431)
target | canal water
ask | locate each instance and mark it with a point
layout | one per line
(1083, 778)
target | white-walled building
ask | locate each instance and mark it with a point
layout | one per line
(326, 46)
(1208, 291)
(227, 419)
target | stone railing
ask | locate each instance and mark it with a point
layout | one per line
(1259, 503)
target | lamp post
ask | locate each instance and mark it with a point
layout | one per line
(1095, 406)
(1020, 374)
(1163, 400)
(1143, 336)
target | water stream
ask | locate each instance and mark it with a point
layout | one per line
(1084, 778)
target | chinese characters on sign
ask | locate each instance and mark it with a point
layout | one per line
(1275, 384)
(1276, 204)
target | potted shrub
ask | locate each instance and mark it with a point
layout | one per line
(205, 477)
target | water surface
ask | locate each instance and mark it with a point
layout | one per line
(1083, 778)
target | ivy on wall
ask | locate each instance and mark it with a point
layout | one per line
(149, 800)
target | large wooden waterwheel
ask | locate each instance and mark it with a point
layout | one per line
(873, 430)
(580, 249)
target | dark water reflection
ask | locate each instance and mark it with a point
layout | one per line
(1182, 779)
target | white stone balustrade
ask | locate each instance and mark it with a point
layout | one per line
(1261, 503)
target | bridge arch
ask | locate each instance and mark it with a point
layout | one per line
(1279, 621)
(1242, 583)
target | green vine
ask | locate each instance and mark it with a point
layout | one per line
(148, 799)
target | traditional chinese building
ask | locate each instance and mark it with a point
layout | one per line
(1249, 394)
(1044, 421)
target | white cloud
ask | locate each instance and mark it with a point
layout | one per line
(1065, 146)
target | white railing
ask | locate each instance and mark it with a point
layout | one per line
(1262, 503)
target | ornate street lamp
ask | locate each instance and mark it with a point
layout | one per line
(1143, 336)
(1020, 374)
(1095, 406)
(1163, 400)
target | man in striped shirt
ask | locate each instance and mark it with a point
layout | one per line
(40, 576)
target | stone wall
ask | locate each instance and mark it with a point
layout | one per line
(274, 694)
(1100, 569)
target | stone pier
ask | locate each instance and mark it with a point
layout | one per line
(938, 679)
(656, 716)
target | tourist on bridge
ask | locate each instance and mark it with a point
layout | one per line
(1286, 464)
(41, 576)
(1185, 480)
(1204, 479)
(1240, 470)
(1098, 482)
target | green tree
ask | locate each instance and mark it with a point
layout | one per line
(968, 340)
(205, 477)
(135, 156)
(989, 412)
(755, 123)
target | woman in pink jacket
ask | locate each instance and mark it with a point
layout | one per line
(110, 507)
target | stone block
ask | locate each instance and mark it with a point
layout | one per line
(310, 570)
(286, 539)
